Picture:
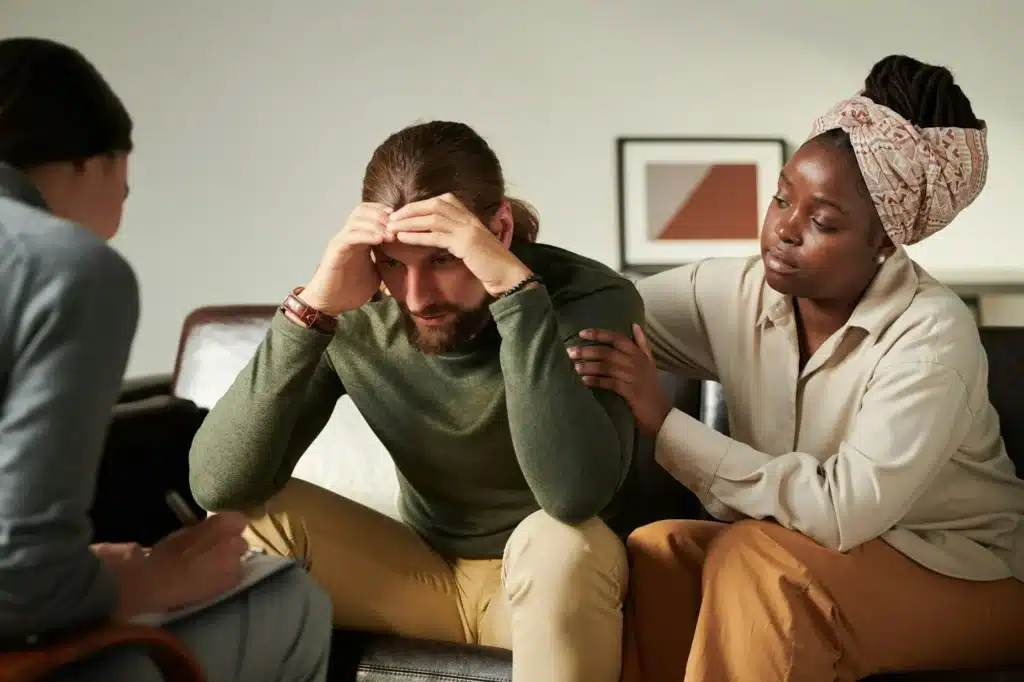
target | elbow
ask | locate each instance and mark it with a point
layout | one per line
(845, 528)
(589, 494)
(218, 493)
(829, 541)
(578, 503)
(829, 533)
(571, 511)
(843, 542)
(208, 494)
(216, 488)
(585, 480)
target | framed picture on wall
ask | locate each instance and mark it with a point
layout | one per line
(686, 198)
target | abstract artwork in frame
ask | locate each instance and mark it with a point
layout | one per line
(684, 199)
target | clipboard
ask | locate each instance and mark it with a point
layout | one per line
(257, 567)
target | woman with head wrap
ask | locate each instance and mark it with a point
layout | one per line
(869, 518)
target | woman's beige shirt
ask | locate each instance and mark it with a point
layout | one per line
(886, 432)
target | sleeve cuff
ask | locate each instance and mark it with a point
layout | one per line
(297, 335)
(691, 452)
(522, 306)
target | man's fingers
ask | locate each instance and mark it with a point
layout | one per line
(435, 239)
(431, 222)
(451, 199)
(433, 205)
(371, 211)
(368, 224)
(364, 235)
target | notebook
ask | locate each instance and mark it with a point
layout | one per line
(257, 567)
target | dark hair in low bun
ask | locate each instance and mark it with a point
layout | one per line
(55, 106)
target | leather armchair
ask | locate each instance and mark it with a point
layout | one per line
(217, 341)
(40, 662)
(149, 434)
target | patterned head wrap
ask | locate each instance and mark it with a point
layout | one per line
(919, 178)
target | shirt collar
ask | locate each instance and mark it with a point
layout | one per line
(886, 298)
(15, 185)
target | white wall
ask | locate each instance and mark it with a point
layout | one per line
(255, 118)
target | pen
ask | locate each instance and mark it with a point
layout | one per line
(186, 516)
(180, 508)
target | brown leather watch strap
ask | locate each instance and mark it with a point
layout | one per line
(309, 317)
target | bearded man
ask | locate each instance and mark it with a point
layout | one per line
(510, 467)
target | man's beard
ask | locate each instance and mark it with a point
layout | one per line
(464, 325)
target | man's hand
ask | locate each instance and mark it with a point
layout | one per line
(347, 278)
(188, 566)
(444, 223)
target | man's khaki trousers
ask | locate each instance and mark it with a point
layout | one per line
(554, 598)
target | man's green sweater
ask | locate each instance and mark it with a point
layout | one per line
(481, 438)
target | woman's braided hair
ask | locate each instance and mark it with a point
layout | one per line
(924, 94)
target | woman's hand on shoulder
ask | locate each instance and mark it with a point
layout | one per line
(626, 366)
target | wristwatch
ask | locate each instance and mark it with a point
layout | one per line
(308, 316)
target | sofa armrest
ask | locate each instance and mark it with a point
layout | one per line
(140, 388)
(387, 658)
(145, 456)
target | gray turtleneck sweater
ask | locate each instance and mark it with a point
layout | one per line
(68, 311)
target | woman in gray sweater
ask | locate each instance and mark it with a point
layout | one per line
(68, 312)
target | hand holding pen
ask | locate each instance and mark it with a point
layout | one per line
(188, 518)
(191, 565)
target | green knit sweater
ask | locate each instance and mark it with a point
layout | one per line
(481, 438)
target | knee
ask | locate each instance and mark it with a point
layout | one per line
(672, 542)
(298, 601)
(320, 611)
(562, 558)
(750, 553)
(654, 539)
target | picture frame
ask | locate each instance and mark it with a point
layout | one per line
(681, 199)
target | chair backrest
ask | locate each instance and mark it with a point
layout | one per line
(216, 343)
